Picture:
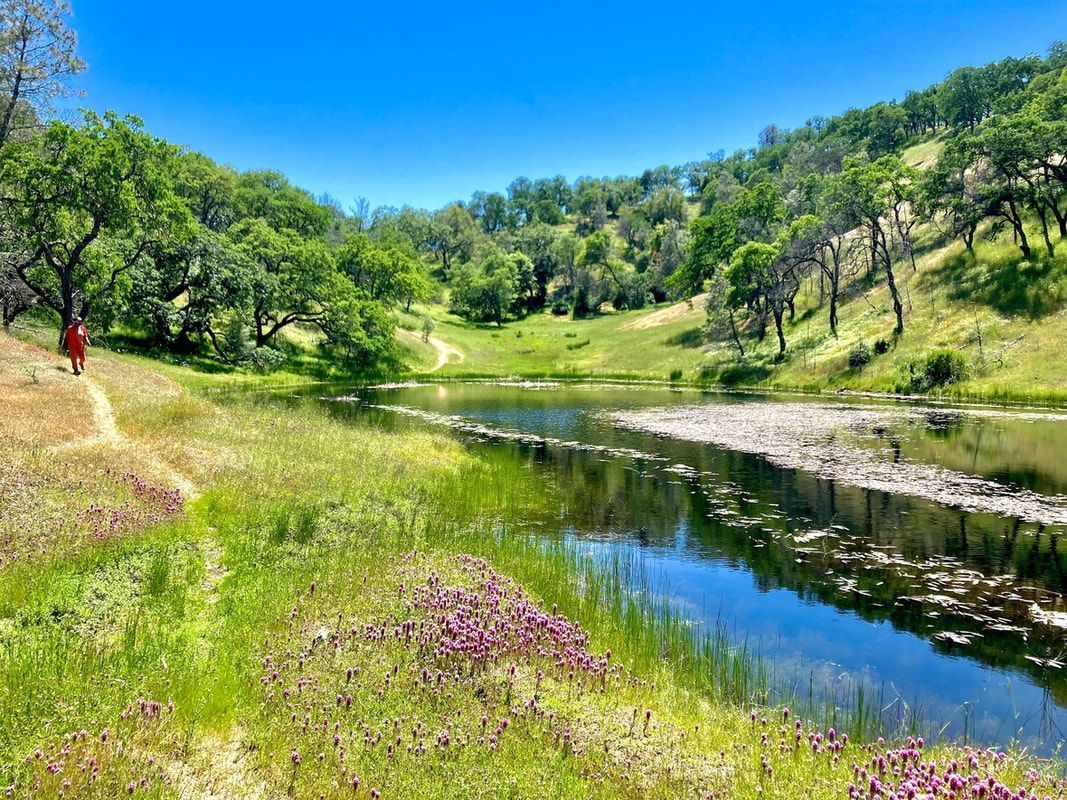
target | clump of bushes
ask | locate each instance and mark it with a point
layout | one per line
(266, 358)
(577, 345)
(881, 347)
(859, 356)
(943, 367)
(676, 375)
(560, 307)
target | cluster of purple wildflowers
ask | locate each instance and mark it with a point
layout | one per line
(904, 774)
(327, 680)
(150, 505)
(453, 635)
(98, 764)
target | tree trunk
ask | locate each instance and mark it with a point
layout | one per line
(777, 312)
(833, 306)
(898, 307)
(1017, 224)
(968, 238)
(66, 284)
(737, 339)
(1042, 214)
(1061, 219)
(16, 88)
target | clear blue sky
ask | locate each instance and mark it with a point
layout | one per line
(403, 102)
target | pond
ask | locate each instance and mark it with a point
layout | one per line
(912, 549)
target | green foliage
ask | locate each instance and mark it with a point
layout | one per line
(267, 195)
(486, 290)
(941, 368)
(859, 356)
(37, 57)
(389, 274)
(87, 203)
(428, 326)
(581, 306)
(266, 358)
(749, 272)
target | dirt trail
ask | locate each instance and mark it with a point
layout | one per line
(217, 764)
(106, 432)
(445, 351)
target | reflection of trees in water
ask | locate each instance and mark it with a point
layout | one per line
(1015, 452)
(610, 495)
(919, 541)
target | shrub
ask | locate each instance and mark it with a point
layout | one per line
(578, 345)
(428, 326)
(943, 367)
(676, 375)
(859, 356)
(881, 347)
(266, 358)
(581, 305)
(560, 307)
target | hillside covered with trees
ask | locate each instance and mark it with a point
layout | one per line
(174, 251)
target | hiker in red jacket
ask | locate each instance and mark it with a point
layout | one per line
(77, 338)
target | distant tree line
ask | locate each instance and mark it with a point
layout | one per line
(828, 200)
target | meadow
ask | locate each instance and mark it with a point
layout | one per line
(325, 609)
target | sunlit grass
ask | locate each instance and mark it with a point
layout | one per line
(185, 611)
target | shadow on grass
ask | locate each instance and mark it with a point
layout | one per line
(691, 337)
(319, 364)
(736, 374)
(1005, 282)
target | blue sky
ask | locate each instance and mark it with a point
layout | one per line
(403, 102)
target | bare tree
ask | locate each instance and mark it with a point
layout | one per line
(37, 58)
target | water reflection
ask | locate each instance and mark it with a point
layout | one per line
(954, 610)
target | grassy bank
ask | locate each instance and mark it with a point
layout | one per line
(328, 609)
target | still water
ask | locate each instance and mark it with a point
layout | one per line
(916, 550)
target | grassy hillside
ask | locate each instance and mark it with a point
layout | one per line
(1006, 316)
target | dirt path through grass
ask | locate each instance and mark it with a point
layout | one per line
(106, 432)
(445, 351)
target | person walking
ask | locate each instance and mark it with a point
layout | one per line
(77, 339)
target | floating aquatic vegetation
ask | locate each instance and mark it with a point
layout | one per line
(490, 432)
(1055, 619)
(532, 385)
(814, 438)
(395, 385)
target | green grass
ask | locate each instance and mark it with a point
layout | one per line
(199, 609)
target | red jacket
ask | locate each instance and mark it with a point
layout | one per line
(77, 336)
